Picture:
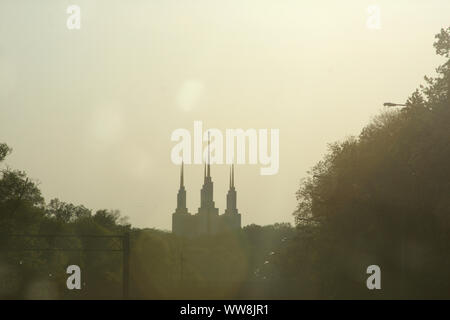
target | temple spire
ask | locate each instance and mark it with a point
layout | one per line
(231, 208)
(181, 196)
(182, 175)
(232, 175)
(209, 159)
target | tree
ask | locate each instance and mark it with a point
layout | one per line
(383, 196)
(4, 151)
(66, 212)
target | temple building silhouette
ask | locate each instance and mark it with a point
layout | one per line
(207, 220)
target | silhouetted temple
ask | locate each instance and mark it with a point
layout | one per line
(207, 220)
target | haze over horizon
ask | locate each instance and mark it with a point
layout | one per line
(89, 113)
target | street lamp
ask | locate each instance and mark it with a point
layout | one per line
(390, 104)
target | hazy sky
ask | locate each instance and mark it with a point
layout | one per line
(89, 112)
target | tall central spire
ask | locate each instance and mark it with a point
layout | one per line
(182, 175)
(209, 158)
(231, 195)
(232, 175)
(206, 193)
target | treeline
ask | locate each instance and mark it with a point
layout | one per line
(226, 266)
(35, 267)
(162, 266)
(382, 198)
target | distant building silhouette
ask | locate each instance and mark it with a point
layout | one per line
(207, 221)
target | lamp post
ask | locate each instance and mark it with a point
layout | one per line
(402, 245)
(391, 104)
